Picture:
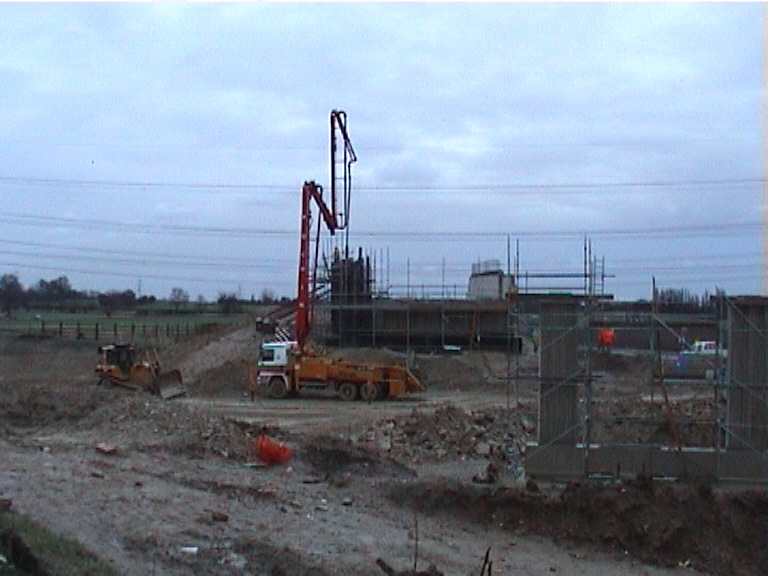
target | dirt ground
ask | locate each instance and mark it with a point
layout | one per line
(437, 478)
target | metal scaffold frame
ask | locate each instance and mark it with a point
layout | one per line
(676, 423)
(703, 418)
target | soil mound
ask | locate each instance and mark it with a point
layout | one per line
(228, 380)
(331, 457)
(667, 525)
(36, 405)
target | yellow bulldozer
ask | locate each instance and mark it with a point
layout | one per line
(121, 364)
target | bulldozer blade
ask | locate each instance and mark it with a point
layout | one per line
(170, 385)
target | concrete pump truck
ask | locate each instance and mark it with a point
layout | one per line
(286, 367)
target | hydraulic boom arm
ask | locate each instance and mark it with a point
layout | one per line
(334, 219)
(310, 192)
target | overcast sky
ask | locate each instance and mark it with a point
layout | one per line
(152, 146)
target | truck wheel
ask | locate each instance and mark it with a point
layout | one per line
(277, 388)
(348, 391)
(262, 389)
(369, 391)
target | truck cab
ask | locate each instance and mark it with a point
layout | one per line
(270, 376)
(275, 354)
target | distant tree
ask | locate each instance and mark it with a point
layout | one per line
(108, 303)
(267, 296)
(179, 296)
(12, 295)
(57, 293)
(128, 299)
(229, 303)
(113, 301)
(62, 287)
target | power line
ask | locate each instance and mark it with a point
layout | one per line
(171, 229)
(144, 262)
(692, 230)
(144, 257)
(684, 260)
(70, 183)
(150, 260)
(567, 186)
(489, 187)
(559, 143)
(132, 275)
(620, 282)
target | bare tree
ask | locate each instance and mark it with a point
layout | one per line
(267, 296)
(179, 296)
(11, 293)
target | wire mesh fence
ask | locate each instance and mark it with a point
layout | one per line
(140, 333)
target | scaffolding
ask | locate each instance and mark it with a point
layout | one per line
(670, 414)
(698, 417)
(356, 305)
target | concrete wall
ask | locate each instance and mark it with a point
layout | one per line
(424, 324)
(748, 374)
(558, 371)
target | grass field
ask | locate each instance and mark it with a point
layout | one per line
(122, 326)
(36, 549)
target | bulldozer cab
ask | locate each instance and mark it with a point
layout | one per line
(121, 355)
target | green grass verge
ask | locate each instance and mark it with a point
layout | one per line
(57, 555)
(127, 327)
(34, 321)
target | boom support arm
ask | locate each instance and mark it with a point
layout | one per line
(334, 219)
(310, 192)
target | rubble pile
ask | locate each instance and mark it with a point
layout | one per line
(142, 422)
(449, 433)
(634, 418)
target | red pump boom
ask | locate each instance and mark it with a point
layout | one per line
(309, 192)
(333, 218)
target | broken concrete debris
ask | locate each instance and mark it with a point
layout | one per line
(217, 516)
(106, 449)
(451, 433)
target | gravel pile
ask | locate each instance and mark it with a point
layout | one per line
(449, 433)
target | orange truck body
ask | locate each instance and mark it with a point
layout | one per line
(277, 377)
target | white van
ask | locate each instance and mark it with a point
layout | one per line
(704, 348)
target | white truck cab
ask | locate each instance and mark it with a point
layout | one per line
(270, 375)
(275, 354)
